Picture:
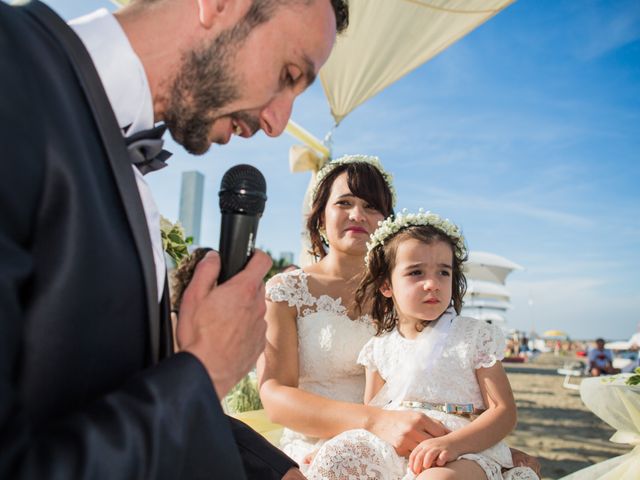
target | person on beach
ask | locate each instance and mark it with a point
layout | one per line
(309, 378)
(601, 360)
(426, 358)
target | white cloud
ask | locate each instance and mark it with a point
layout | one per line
(496, 204)
(608, 30)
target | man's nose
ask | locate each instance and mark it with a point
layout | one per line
(274, 117)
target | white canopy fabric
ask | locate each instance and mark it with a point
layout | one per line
(387, 39)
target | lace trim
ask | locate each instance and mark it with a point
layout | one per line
(360, 455)
(290, 287)
(366, 358)
(293, 288)
(490, 345)
(356, 455)
(520, 473)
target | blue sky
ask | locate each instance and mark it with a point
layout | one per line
(526, 133)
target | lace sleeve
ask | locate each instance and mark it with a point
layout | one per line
(290, 287)
(366, 356)
(275, 290)
(490, 345)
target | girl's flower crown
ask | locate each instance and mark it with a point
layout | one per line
(392, 225)
(347, 159)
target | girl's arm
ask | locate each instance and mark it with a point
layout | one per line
(488, 429)
(318, 416)
(498, 420)
(373, 384)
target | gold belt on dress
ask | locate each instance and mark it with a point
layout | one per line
(462, 409)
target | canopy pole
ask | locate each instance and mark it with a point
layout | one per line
(307, 138)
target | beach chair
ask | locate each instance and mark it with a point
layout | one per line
(574, 368)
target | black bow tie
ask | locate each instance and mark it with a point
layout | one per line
(145, 149)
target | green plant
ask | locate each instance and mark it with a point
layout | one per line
(277, 266)
(244, 396)
(173, 240)
(635, 378)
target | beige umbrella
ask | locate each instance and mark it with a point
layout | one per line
(387, 39)
(555, 334)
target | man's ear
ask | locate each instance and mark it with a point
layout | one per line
(386, 290)
(209, 10)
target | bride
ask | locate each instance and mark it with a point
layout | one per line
(309, 379)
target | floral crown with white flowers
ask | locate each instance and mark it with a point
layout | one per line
(392, 225)
(347, 159)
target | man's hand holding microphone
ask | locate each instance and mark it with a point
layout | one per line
(221, 319)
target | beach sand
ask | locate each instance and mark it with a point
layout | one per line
(553, 423)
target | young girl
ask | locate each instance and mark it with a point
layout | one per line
(426, 357)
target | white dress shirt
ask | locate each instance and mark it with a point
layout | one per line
(125, 82)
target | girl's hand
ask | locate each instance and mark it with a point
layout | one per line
(308, 458)
(521, 459)
(405, 429)
(435, 452)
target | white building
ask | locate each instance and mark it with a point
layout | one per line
(487, 296)
(190, 214)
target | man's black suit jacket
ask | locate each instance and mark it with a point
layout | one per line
(80, 396)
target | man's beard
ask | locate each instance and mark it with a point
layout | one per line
(202, 87)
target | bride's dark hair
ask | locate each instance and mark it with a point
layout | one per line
(382, 261)
(365, 181)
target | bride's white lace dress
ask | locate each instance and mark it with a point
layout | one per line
(329, 343)
(328, 346)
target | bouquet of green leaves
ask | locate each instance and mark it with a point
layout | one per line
(174, 241)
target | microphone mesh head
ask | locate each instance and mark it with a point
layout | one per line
(243, 190)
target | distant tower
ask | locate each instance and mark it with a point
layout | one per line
(190, 214)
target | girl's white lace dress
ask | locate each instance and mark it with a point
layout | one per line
(329, 343)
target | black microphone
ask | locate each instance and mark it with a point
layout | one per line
(243, 193)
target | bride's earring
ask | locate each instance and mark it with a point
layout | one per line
(323, 236)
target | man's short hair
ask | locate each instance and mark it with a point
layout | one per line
(266, 8)
(262, 10)
(341, 9)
